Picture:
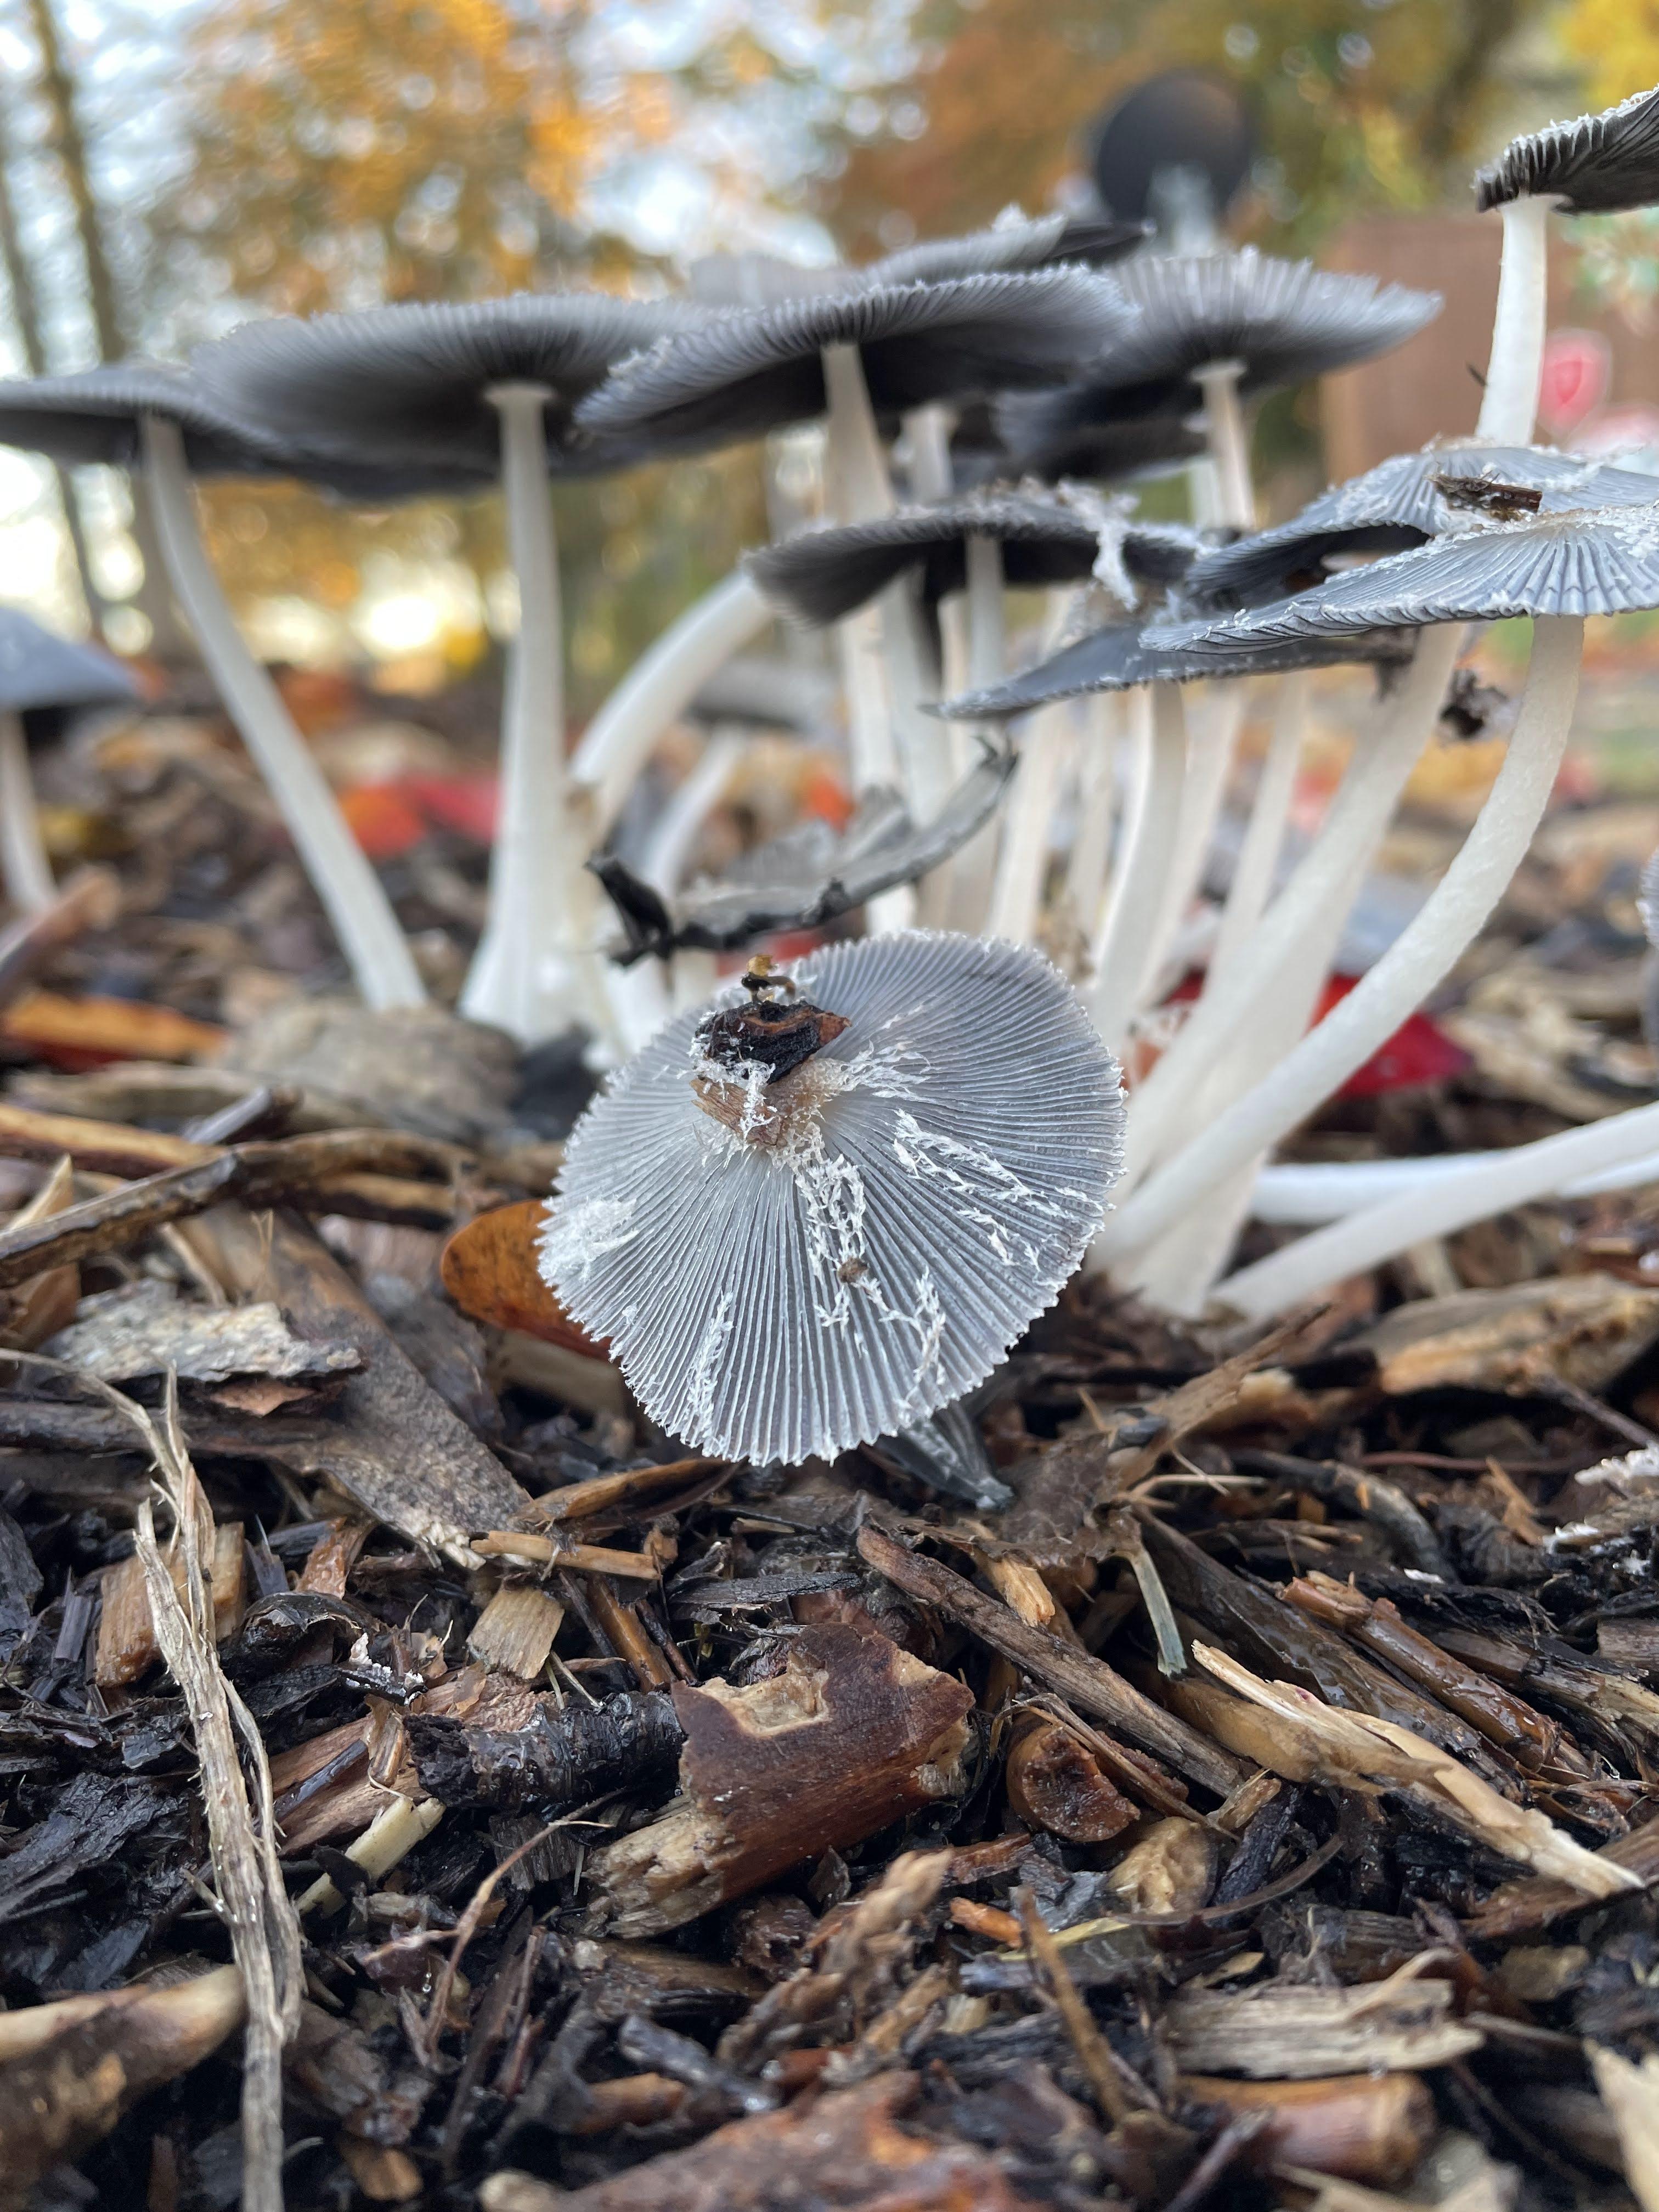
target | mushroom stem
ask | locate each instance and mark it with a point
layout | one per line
(1123, 957)
(1264, 835)
(1229, 443)
(980, 640)
(1418, 958)
(526, 976)
(1097, 781)
(1016, 890)
(661, 683)
(1509, 406)
(1304, 922)
(662, 861)
(1209, 756)
(1306, 1194)
(24, 867)
(1437, 1205)
(357, 904)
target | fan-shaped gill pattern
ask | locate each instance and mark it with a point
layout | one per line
(1595, 164)
(1397, 505)
(750, 370)
(779, 1303)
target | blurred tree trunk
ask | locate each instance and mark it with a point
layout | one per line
(170, 640)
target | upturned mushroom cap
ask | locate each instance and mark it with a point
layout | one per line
(1013, 242)
(1399, 504)
(1281, 321)
(903, 1204)
(739, 375)
(1124, 654)
(38, 669)
(820, 575)
(1593, 165)
(95, 415)
(397, 383)
(1602, 561)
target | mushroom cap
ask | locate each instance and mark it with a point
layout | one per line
(1013, 242)
(783, 1301)
(38, 669)
(1280, 321)
(738, 374)
(1125, 655)
(1397, 505)
(1077, 430)
(1593, 165)
(94, 415)
(1594, 560)
(819, 575)
(399, 383)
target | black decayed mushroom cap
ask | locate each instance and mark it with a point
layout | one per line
(1400, 504)
(95, 415)
(1280, 321)
(1602, 561)
(1124, 654)
(739, 375)
(874, 1248)
(1594, 164)
(822, 574)
(40, 670)
(809, 876)
(401, 383)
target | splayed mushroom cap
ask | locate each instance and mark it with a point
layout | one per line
(392, 384)
(95, 415)
(1079, 431)
(1592, 165)
(1601, 560)
(1123, 655)
(43, 674)
(739, 375)
(1400, 504)
(820, 575)
(921, 1188)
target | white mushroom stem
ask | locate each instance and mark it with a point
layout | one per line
(1097, 791)
(662, 861)
(24, 867)
(981, 642)
(1509, 406)
(1209, 758)
(1016, 893)
(1304, 922)
(1418, 959)
(1306, 1194)
(1229, 443)
(1124, 955)
(1264, 833)
(1438, 1204)
(659, 686)
(376, 949)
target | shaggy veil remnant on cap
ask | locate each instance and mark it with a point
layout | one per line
(1593, 165)
(939, 1181)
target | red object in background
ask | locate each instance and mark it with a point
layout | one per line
(390, 819)
(1577, 372)
(384, 820)
(468, 805)
(1418, 1052)
(825, 799)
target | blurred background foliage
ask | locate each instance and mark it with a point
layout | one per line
(169, 169)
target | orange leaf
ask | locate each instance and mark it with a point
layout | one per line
(87, 1032)
(489, 1269)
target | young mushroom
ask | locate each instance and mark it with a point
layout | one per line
(1594, 164)
(485, 387)
(1558, 569)
(44, 678)
(141, 415)
(815, 1214)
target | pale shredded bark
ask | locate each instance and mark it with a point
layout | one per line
(1631, 2093)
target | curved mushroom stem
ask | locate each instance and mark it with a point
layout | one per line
(1229, 443)
(1306, 1194)
(1097, 780)
(381, 962)
(533, 973)
(1264, 834)
(1509, 406)
(1124, 955)
(661, 684)
(1017, 891)
(663, 859)
(1439, 1204)
(1209, 756)
(977, 641)
(24, 867)
(1304, 923)
(1424, 953)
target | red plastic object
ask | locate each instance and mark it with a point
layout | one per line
(1418, 1052)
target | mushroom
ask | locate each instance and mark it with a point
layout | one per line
(1217, 328)
(144, 415)
(1594, 164)
(824, 1209)
(43, 678)
(485, 386)
(1558, 569)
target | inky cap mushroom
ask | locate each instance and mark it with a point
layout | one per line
(817, 1212)
(42, 677)
(1593, 165)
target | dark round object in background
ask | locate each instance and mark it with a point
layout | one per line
(1181, 119)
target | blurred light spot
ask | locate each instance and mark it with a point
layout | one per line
(1241, 42)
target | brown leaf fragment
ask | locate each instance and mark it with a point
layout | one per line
(384, 2176)
(127, 1646)
(851, 1735)
(490, 1269)
(1373, 2130)
(39, 1308)
(838, 2152)
(328, 1567)
(1585, 1328)
(74, 2086)
(1289, 2032)
(1055, 1782)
